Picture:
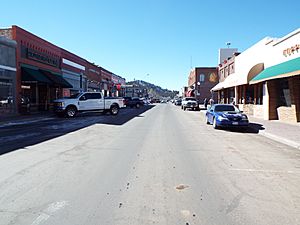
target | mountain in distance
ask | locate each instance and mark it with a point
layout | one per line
(154, 91)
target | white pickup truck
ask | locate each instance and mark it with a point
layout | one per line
(189, 103)
(87, 101)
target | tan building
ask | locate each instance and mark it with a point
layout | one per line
(266, 79)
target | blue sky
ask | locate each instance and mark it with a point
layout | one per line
(154, 40)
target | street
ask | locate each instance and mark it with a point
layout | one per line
(154, 165)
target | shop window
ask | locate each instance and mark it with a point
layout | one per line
(284, 95)
(250, 94)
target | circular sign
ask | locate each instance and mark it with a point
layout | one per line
(213, 77)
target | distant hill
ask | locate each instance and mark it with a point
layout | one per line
(153, 90)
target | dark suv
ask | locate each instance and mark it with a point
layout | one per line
(133, 102)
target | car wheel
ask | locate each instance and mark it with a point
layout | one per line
(215, 123)
(207, 121)
(71, 111)
(114, 110)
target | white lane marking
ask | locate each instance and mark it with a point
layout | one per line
(49, 211)
(266, 171)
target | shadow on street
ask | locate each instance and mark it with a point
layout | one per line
(253, 128)
(22, 135)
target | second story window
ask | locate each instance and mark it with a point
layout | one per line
(202, 78)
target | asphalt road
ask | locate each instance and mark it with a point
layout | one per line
(157, 165)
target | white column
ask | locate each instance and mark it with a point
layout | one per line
(266, 101)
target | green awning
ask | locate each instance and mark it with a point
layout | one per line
(31, 75)
(57, 79)
(285, 69)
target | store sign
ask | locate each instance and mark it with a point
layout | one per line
(291, 50)
(42, 58)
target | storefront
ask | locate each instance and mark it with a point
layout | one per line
(106, 82)
(266, 81)
(93, 77)
(282, 84)
(38, 75)
(234, 88)
(73, 69)
(117, 82)
(7, 76)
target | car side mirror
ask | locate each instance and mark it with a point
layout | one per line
(82, 98)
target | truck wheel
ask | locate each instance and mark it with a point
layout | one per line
(114, 110)
(71, 111)
(184, 108)
(137, 105)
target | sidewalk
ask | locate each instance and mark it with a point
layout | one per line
(18, 119)
(285, 133)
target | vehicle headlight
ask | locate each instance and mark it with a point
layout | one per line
(61, 104)
(221, 118)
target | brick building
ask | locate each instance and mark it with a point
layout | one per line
(44, 72)
(7, 76)
(38, 73)
(200, 82)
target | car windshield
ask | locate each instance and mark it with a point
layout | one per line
(226, 108)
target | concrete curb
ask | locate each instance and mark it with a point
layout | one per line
(280, 139)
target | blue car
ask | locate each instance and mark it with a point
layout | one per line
(226, 115)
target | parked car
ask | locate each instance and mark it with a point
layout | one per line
(133, 102)
(178, 102)
(87, 101)
(189, 103)
(226, 115)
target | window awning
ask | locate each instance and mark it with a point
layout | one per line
(57, 79)
(285, 69)
(190, 93)
(218, 87)
(31, 75)
(231, 81)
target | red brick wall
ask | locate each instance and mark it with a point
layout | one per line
(208, 82)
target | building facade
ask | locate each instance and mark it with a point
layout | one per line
(106, 82)
(266, 79)
(7, 76)
(93, 77)
(73, 69)
(38, 73)
(200, 82)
